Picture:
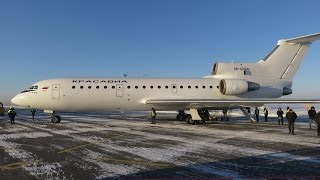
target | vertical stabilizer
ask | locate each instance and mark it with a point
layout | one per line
(284, 60)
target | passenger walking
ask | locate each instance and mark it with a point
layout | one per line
(256, 112)
(280, 116)
(12, 114)
(317, 120)
(288, 108)
(33, 112)
(312, 113)
(291, 117)
(265, 111)
(153, 116)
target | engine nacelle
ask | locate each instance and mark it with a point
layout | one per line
(237, 86)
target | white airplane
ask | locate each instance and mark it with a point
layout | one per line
(230, 85)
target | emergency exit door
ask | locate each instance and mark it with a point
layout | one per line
(56, 91)
(120, 90)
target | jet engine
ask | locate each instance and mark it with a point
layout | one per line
(237, 86)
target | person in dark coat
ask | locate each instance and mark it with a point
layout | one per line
(33, 112)
(256, 112)
(312, 113)
(12, 114)
(291, 117)
(265, 111)
(288, 108)
(280, 116)
(317, 120)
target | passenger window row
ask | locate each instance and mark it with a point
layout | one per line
(144, 87)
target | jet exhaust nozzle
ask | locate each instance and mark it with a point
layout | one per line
(286, 91)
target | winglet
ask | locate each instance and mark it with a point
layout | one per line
(304, 39)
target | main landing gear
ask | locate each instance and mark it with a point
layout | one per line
(196, 117)
(181, 115)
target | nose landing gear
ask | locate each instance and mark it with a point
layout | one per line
(55, 118)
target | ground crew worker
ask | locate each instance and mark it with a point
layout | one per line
(312, 113)
(280, 116)
(33, 112)
(317, 120)
(291, 117)
(256, 112)
(12, 114)
(265, 111)
(153, 116)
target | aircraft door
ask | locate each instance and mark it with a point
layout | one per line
(56, 91)
(174, 88)
(120, 90)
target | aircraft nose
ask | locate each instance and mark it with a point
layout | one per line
(14, 100)
(17, 100)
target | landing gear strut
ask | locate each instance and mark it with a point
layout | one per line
(55, 118)
(181, 116)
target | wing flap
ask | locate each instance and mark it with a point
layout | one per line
(219, 103)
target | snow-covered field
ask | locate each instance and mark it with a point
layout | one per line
(98, 146)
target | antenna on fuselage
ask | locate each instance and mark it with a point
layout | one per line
(125, 75)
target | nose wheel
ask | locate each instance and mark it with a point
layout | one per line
(55, 118)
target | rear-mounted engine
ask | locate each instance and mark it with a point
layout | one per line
(237, 86)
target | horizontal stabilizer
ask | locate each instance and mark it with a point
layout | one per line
(304, 39)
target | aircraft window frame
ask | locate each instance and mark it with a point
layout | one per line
(218, 87)
(128, 87)
(159, 87)
(181, 87)
(196, 87)
(210, 87)
(35, 87)
(174, 87)
(136, 87)
(89, 87)
(81, 87)
(105, 87)
(97, 87)
(189, 87)
(166, 87)
(113, 87)
(73, 87)
(203, 87)
(151, 87)
(143, 87)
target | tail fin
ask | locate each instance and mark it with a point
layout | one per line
(285, 58)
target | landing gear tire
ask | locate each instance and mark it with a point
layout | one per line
(189, 119)
(55, 118)
(180, 117)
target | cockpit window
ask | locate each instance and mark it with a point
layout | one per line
(32, 88)
(35, 87)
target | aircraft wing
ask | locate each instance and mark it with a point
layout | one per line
(230, 103)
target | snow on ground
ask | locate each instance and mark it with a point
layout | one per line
(87, 146)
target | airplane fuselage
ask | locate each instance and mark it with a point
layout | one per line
(129, 94)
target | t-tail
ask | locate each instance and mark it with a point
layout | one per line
(284, 60)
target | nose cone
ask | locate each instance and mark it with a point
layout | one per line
(15, 100)
(18, 100)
